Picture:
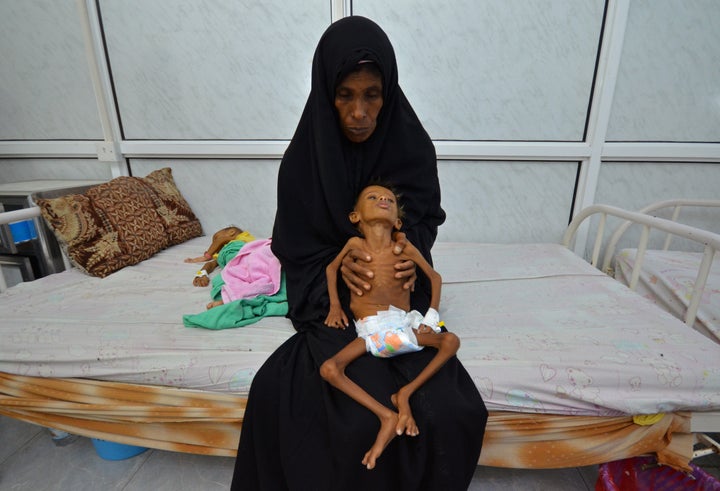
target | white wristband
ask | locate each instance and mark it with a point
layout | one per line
(201, 273)
(431, 319)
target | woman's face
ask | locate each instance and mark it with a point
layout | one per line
(358, 100)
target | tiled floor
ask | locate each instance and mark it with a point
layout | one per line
(29, 460)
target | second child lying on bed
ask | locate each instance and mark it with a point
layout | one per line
(219, 240)
(249, 267)
(385, 327)
(249, 287)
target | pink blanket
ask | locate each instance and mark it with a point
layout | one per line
(253, 271)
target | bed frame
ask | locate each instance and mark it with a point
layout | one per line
(207, 422)
(702, 423)
(672, 228)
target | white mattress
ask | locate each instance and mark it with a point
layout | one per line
(541, 331)
(544, 331)
(128, 327)
(667, 279)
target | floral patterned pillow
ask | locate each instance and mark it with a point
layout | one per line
(181, 224)
(121, 222)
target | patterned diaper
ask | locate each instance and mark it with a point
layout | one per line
(390, 332)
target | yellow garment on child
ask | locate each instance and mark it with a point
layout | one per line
(244, 236)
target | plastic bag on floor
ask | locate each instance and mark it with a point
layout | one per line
(643, 474)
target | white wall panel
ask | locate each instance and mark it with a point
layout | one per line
(505, 84)
(224, 192)
(45, 87)
(667, 86)
(15, 170)
(635, 185)
(494, 69)
(215, 69)
(506, 202)
(501, 202)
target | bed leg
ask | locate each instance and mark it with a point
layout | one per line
(710, 446)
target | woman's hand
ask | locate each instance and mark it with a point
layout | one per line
(354, 272)
(404, 269)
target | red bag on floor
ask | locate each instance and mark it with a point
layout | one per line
(643, 474)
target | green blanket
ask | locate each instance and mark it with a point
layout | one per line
(226, 254)
(241, 312)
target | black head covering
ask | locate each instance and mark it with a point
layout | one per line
(322, 172)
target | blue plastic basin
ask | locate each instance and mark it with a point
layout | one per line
(116, 451)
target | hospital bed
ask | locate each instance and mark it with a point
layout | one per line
(668, 275)
(574, 367)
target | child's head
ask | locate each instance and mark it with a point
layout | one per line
(377, 202)
(222, 237)
(227, 234)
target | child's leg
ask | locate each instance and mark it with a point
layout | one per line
(447, 345)
(214, 303)
(333, 371)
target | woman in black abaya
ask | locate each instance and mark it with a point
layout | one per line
(298, 431)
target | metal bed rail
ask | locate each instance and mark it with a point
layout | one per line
(709, 240)
(675, 204)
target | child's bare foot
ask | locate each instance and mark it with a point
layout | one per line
(384, 436)
(214, 304)
(199, 259)
(406, 423)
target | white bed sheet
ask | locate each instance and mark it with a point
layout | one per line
(541, 330)
(550, 333)
(667, 279)
(128, 328)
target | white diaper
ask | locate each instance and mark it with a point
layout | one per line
(390, 332)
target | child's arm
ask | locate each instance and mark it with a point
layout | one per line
(446, 343)
(201, 277)
(336, 316)
(205, 257)
(435, 279)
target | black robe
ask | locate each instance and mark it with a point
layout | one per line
(298, 431)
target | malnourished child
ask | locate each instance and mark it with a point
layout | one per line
(383, 322)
